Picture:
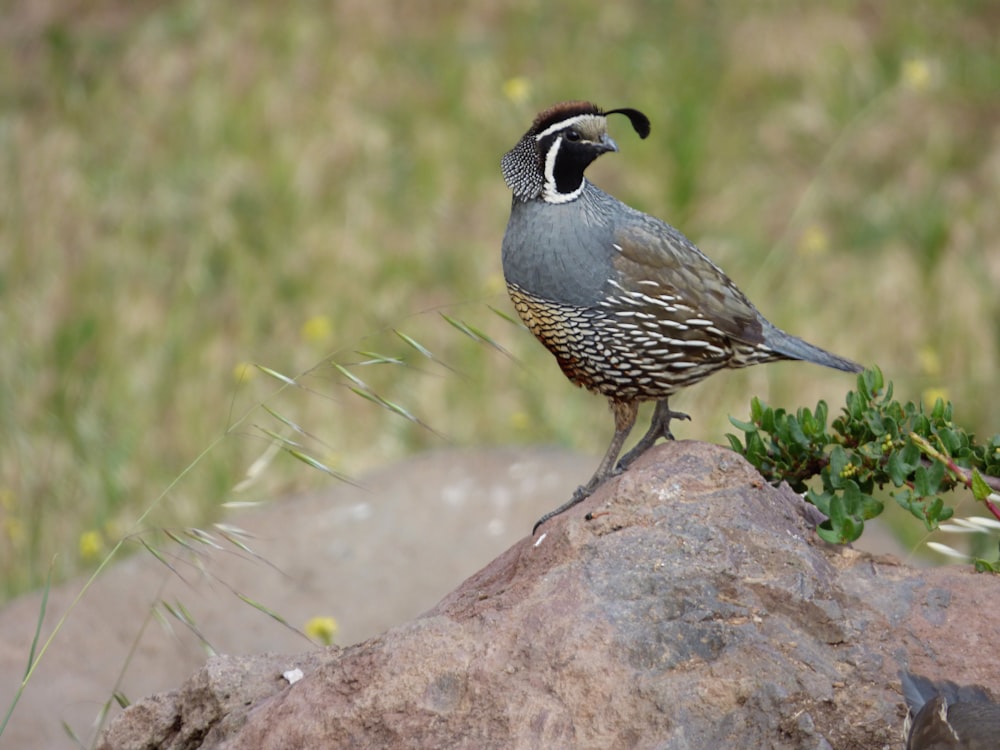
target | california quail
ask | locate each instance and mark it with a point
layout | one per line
(628, 305)
(946, 716)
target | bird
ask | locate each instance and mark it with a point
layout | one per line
(945, 716)
(630, 307)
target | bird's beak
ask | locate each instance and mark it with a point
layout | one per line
(607, 144)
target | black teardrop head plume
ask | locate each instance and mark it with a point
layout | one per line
(640, 123)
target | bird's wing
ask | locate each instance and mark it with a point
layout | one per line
(977, 723)
(654, 258)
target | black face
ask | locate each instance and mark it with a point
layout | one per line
(574, 151)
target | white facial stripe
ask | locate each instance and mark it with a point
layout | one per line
(550, 164)
(562, 124)
(550, 192)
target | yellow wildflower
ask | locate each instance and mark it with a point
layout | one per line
(814, 241)
(13, 529)
(930, 362)
(7, 500)
(317, 329)
(243, 371)
(322, 629)
(495, 284)
(916, 74)
(520, 420)
(517, 89)
(91, 545)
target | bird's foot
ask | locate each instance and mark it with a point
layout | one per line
(581, 494)
(659, 427)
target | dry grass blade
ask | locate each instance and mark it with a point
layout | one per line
(256, 469)
(200, 535)
(269, 612)
(238, 504)
(460, 326)
(227, 530)
(31, 652)
(509, 318)
(179, 612)
(179, 539)
(232, 535)
(317, 464)
(374, 358)
(385, 404)
(351, 376)
(71, 734)
(38, 628)
(283, 442)
(416, 345)
(298, 451)
(361, 388)
(947, 551)
(159, 555)
(285, 420)
(234, 539)
(277, 375)
(395, 409)
(476, 334)
(423, 350)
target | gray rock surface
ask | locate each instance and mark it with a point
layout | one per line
(695, 610)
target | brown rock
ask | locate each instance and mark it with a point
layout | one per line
(373, 556)
(696, 610)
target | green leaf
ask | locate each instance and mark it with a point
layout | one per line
(840, 528)
(980, 490)
(935, 475)
(851, 530)
(740, 425)
(768, 421)
(828, 534)
(822, 413)
(838, 511)
(734, 443)
(756, 450)
(950, 439)
(984, 566)
(821, 500)
(897, 468)
(838, 460)
(921, 484)
(796, 432)
(860, 505)
(937, 512)
(937, 412)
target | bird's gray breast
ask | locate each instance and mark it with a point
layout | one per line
(559, 252)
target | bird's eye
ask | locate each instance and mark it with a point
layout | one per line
(572, 135)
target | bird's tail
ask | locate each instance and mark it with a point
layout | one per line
(793, 347)
(919, 690)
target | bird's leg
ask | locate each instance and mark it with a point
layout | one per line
(625, 413)
(659, 427)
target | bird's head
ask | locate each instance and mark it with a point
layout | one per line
(550, 159)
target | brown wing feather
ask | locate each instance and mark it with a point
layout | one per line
(650, 251)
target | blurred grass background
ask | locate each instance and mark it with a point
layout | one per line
(187, 188)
